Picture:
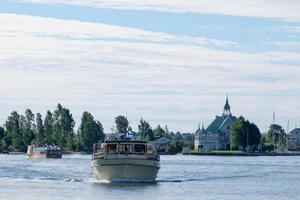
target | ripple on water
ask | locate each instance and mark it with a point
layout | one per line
(190, 177)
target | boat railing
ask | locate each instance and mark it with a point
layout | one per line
(101, 155)
(98, 155)
(153, 157)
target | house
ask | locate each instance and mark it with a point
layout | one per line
(217, 135)
(161, 144)
(294, 139)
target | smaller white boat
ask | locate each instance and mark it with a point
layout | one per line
(124, 159)
(44, 151)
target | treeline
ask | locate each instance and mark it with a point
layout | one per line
(57, 128)
(177, 140)
(246, 136)
(147, 133)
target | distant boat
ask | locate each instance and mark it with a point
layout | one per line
(34, 151)
(125, 159)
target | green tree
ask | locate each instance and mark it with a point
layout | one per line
(121, 124)
(177, 136)
(90, 131)
(27, 128)
(1, 132)
(2, 144)
(176, 146)
(63, 128)
(40, 137)
(48, 128)
(167, 130)
(145, 130)
(276, 135)
(13, 136)
(159, 132)
(57, 127)
(244, 133)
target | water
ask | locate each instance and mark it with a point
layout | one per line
(180, 177)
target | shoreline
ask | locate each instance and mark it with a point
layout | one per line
(64, 153)
(227, 153)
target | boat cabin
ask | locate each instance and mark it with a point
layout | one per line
(124, 148)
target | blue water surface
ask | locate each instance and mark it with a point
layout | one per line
(180, 177)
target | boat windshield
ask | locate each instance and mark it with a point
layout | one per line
(111, 148)
(125, 148)
(140, 149)
(40, 149)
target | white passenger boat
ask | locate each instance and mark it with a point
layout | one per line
(124, 159)
(44, 151)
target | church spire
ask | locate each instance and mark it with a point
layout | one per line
(226, 107)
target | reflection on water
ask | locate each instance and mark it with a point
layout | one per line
(180, 177)
(123, 184)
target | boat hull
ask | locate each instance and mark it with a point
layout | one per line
(125, 169)
(56, 156)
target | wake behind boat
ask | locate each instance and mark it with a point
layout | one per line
(123, 158)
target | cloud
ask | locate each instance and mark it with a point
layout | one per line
(111, 70)
(289, 29)
(287, 9)
(290, 45)
(92, 31)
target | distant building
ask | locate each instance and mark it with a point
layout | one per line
(161, 144)
(217, 135)
(294, 139)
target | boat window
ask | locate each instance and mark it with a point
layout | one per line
(125, 148)
(140, 149)
(111, 148)
(150, 150)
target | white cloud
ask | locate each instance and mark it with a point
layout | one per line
(73, 30)
(285, 44)
(289, 29)
(282, 9)
(112, 70)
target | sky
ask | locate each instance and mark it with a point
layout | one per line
(168, 61)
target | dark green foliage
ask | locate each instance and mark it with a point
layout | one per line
(58, 128)
(145, 130)
(176, 146)
(63, 133)
(244, 133)
(48, 128)
(40, 137)
(159, 132)
(89, 132)
(268, 147)
(28, 128)
(188, 137)
(13, 137)
(1, 132)
(2, 143)
(20, 131)
(121, 124)
(177, 136)
(167, 130)
(276, 136)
